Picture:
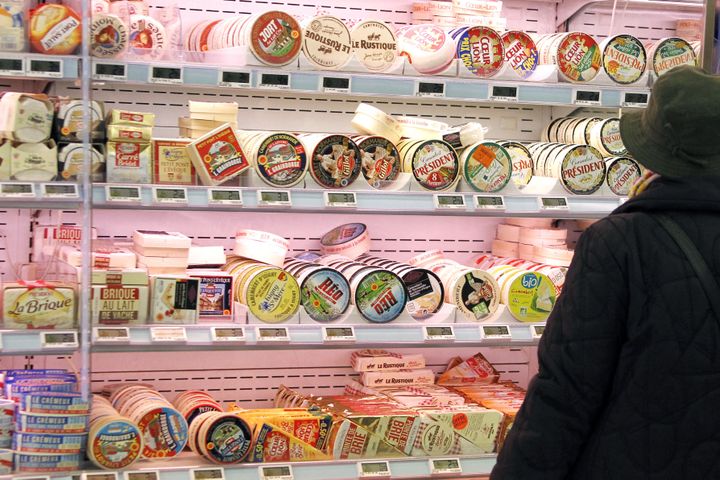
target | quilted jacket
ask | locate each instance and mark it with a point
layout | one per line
(628, 385)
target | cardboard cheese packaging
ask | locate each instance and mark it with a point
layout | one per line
(33, 305)
(13, 28)
(215, 293)
(475, 369)
(104, 254)
(128, 162)
(217, 156)
(382, 360)
(160, 239)
(69, 121)
(34, 161)
(129, 133)
(25, 117)
(400, 377)
(120, 297)
(5, 158)
(171, 162)
(70, 161)
(175, 299)
(124, 117)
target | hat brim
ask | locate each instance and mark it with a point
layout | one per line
(651, 155)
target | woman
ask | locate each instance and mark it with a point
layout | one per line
(628, 385)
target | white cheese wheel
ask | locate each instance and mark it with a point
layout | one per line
(427, 47)
(326, 42)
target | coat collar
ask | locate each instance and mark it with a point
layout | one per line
(699, 194)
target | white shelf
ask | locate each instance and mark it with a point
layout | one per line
(35, 342)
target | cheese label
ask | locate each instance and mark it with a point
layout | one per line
(164, 432)
(39, 307)
(54, 29)
(275, 38)
(31, 423)
(327, 42)
(487, 167)
(380, 161)
(147, 36)
(425, 293)
(44, 463)
(171, 163)
(325, 295)
(119, 304)
(226, 439)
(281, 160)
(128, 162)
(115, 445)
(582, 170)
(578, 57)
(375, 45)
(476, 295)
(434, 164)
(481, 50)
(12, 25)
(610, 137)
(273, 295)
(48, 443)
(380, 296)
(272, 444)
(175, 300)
(671, 53)
(622, 173)
(520, 53)
(33, 119)
(108, 36)
(335, 162)
(531, 297)
(218, 155)
(624, 59)
(522, 162)
(215, 295)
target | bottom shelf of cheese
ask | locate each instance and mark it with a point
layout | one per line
(395, 417)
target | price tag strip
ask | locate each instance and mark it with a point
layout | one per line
(99, 476)
(142, 475)
(207, 474)
(280, 472)
(443, 333)
(111, 335)
(122, 194)
(14, 67)
(168, 334)
(374, 469)
(277, 81)
(59, 339)
(495, 332)
(272, 334)
(166, 75)
(340, 199)
(171, 195)
(45, 68)
(444, 201)
(553, 203)
(503, 93)
(109, 71)
(60, 190)
(17, 190)
(639, 100)
(336, 84)
(536, 331)
(222, 196)
(228, 334)
(487, 202)
(445, 466)
(338, 334)
(587, 97)
(233, 79)
(274, 198)
(430, 89)
(41, 477)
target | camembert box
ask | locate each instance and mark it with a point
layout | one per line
(217, 156)
(175, 299)
(382, 360)
(120, 297)
(128, 162)
(34, 305)
(171, 162)
(160, 239)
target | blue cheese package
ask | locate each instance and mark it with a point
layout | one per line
(58, 403)
(15, 390)
(49, 443)
(42, 463)
(37, 423)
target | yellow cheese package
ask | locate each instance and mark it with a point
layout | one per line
(25, 117)
(311, 427)
(34, 161)
(35, 305)
(272, 444)
(171, 162)
(175, 299)
(462, 431)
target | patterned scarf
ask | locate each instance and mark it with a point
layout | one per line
(642, 183)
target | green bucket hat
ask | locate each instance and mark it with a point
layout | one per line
(678, 134)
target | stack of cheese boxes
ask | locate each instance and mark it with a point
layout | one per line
(68, 127)
(534, 240)
(128, 148)
(207, 116)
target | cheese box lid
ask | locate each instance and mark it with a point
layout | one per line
(104, 255)
(128, 276)
(206, 255)
(213, 107)
(166, 262)
(161, 238)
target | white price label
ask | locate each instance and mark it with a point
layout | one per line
(142, 475)
(272, 334)
(99, 476)
(445, 466)
(111, 334)
(122, 194)
(225, 196)
(438, 333)
(340, 199)
(59, 339)
(488, 202)
(110, 71)
(430, 89)
(536, 331)
(17, 190)
(233, 79)
(45, 67)
(587, 97)
(12, 67)
(228, 334)
(207, 474)
(276, 472)
(60, 190)
(495, 332)
(274, 198)
(280, 81)
(553, 203)
(168, 334)
(448, 201)
(336, 84)
(173, 195)
(166, 75)
(338, 334)
(374, 469)
(504, 93)
(633, 99)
